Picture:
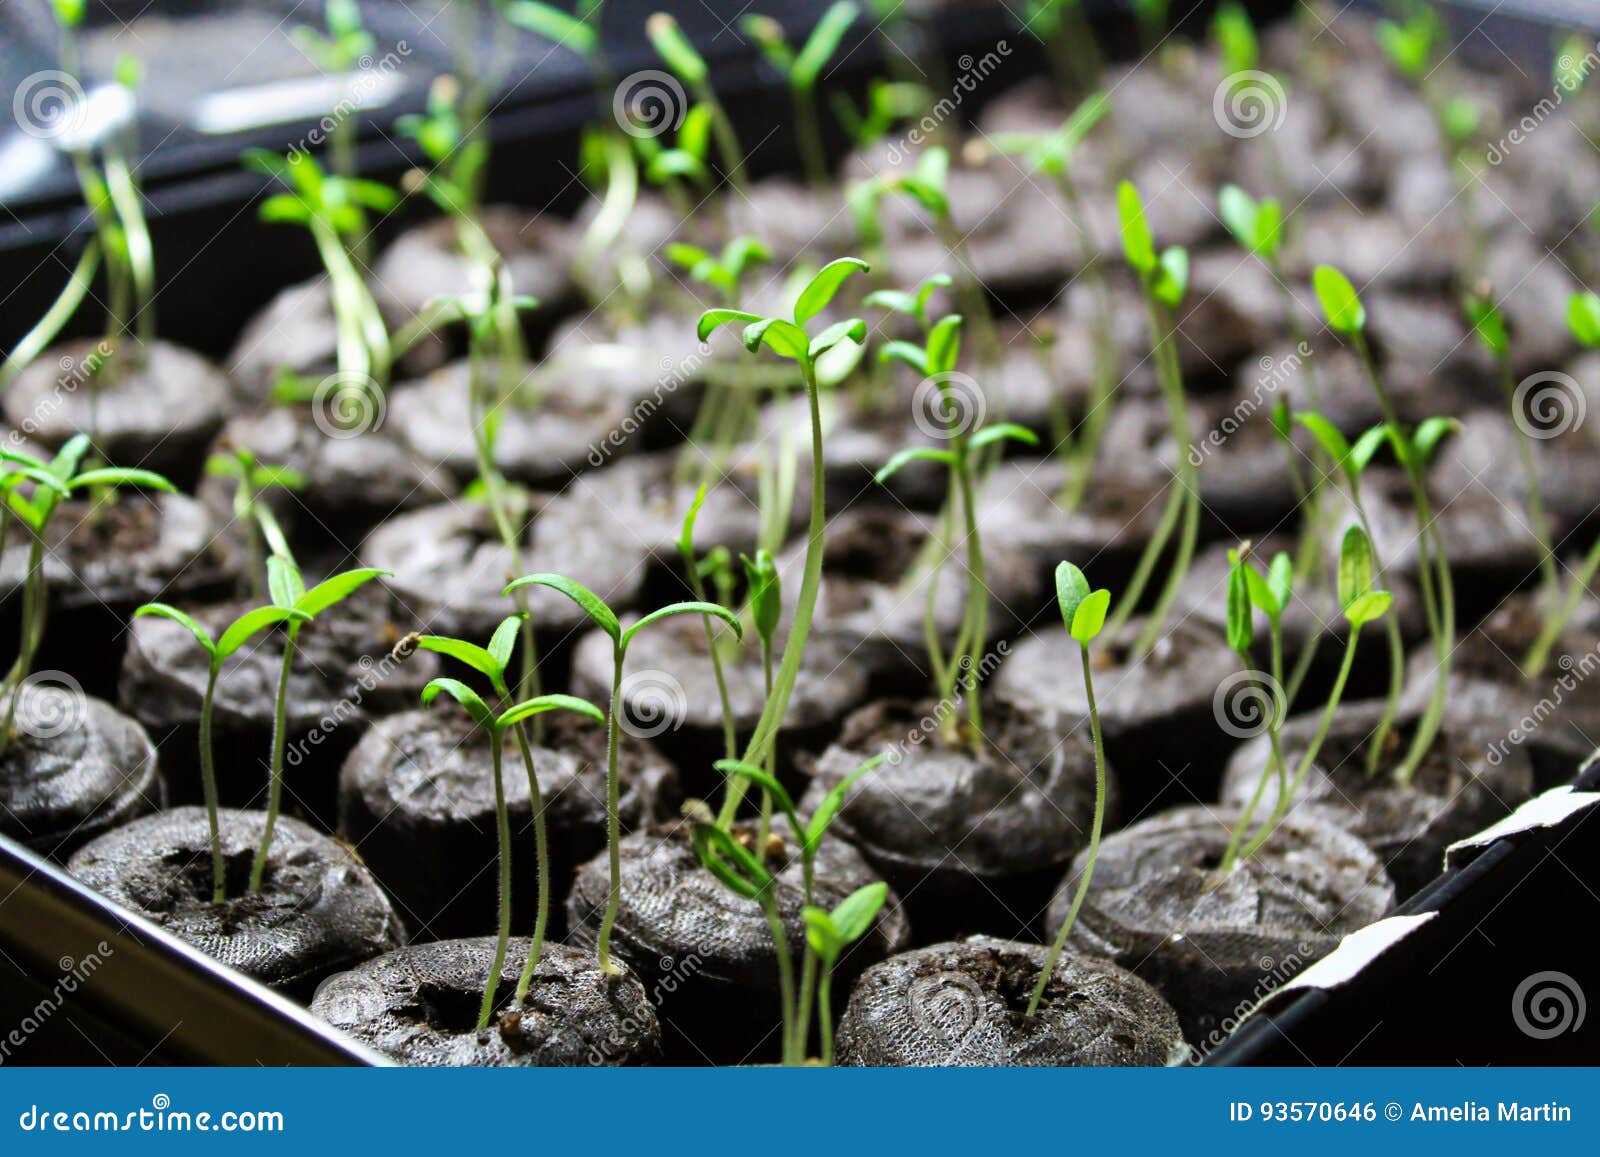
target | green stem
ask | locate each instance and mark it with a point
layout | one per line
(777, 704)
(812, 155)
(977, 612)
(808, 984)
(780, 941)
(1554, 624)
(1060, 944)
(1549, 579)
(37, 339)
(825, 1013)
(730, 737)
(280, 739)
(503, 830)
(613, 822)
(1281, 807)
(208, 784)
(541, 843)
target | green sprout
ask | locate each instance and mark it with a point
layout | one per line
(680, 168)
(252, 480)
(51, 481)
(611, 153)
(790, 341)
(112, 192)
(1362, 603)
(679, 55)
(1164, 277)
(1583, 319)
(334, 210)
(603, 617)
(1083, 612)
(33, 343)
(1346, 316)
(745, 873)
(692, 568)
(801, 71)
(887, 103)
(1069, 39)
(338, 52)
(491, 662)
(765, 599)
(1051, 155)
(218, 650)
(829, 934)
(1351, 460)
(288, 590)
(936, 361)
(1489, 327)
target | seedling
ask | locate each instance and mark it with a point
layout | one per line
(1583, 319)
(334, 210)
(925, 186)
(112, 192)
(936, 361)
(789, 340)
(888, 102)
(692, 568)
(289, 593)
(1164, 277)
(1346, 316)
(765, 600)
(1489, 327)
(252, 480)
(1363, 603)
(1069, 39)
(492, 662)
(603, 617)
(745, 873)
(1350, 460)
(802, 70)
(829, 934)
(52, 481)
(218, 650)
(682, 168)
(1083, 612)
(679, 55)
(338, 52)
(1051, 155)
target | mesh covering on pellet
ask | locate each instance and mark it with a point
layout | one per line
(965, 1003)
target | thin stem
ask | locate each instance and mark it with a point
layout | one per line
(503, 831)
(208, 784)
(809, 133)
(1281, 807)
(977, 612)
(280, 739)
(1554, 624)
(34, 600)
(808, 985)
(613, 822)
(38, 339)
(777, 705)
(780, 941)
(1549, 579)
(825, 1012)
(730, 737)
(1094, 839)
(541, 843)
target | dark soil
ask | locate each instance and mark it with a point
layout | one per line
(965, 1003)
(416, 800)
(420, 1005)
(319, 910)
(707, 954)
(75, 768)
(973, 842)
(1214, 944)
